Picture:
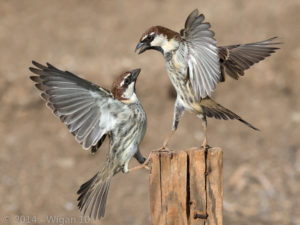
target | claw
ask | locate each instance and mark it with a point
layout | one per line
(166, 141)
(205, 147)
(144, 165)
(205, 144)
(139, 167)
(163, 148)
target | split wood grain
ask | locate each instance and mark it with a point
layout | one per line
(186, 187)
(214, 186)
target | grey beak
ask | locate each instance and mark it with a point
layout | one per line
(142, 46)
(139, 45)
(135, 73)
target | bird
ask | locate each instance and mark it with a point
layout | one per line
(195, 65)
(92, 113)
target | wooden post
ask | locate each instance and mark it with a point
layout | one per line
(186, 187)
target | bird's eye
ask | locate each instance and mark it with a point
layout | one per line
(150, 38)
(126, 81)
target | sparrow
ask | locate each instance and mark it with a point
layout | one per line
(92, 113)
(195, 65)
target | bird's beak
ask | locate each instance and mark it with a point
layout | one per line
(135, 73)
(142, 46)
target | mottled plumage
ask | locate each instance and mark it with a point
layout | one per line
(195, 65)
(186, 100)
(91, 113)
(204, 63)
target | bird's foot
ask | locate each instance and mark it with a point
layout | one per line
(163, 148)
(205, 145)
(145, 165)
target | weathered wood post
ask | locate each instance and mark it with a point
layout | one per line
(186, 187)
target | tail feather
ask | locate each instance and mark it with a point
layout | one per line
(248, 124)
(212, 109)
(98, 194)
(101, 209)
(93, 194)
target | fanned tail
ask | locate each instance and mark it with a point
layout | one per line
(93, 194)
(212, 109)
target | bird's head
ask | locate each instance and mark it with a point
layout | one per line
(158, 38)
(123, 87)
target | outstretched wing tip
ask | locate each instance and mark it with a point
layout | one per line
(76, 102)
(195, 11)
(33, 70)
(38, 65)
(34, 78)
(270, 41)
(235, 59)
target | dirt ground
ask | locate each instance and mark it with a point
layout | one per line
(41, 164)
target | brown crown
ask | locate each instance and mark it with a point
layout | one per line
(116, 89)
(161, 30)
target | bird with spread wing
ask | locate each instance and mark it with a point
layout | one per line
(92, 113)
(195, 65)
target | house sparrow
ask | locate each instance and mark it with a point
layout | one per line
(195, 65)
(91, 113)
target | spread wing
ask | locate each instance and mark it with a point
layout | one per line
(202, 54)
(235, 59)
(88, 110)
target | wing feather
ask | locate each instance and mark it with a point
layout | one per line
(88, 110)
(202, 56)
(238, 58)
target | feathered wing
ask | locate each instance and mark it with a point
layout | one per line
(235, 59)
(88, 110)
(202, 55)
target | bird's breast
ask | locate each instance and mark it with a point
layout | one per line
(177, 72)
(126, 139)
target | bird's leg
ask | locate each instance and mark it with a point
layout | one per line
(204, 124)
(167, 139)
(178, 112)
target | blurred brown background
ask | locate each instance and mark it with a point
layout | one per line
(41, 164)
